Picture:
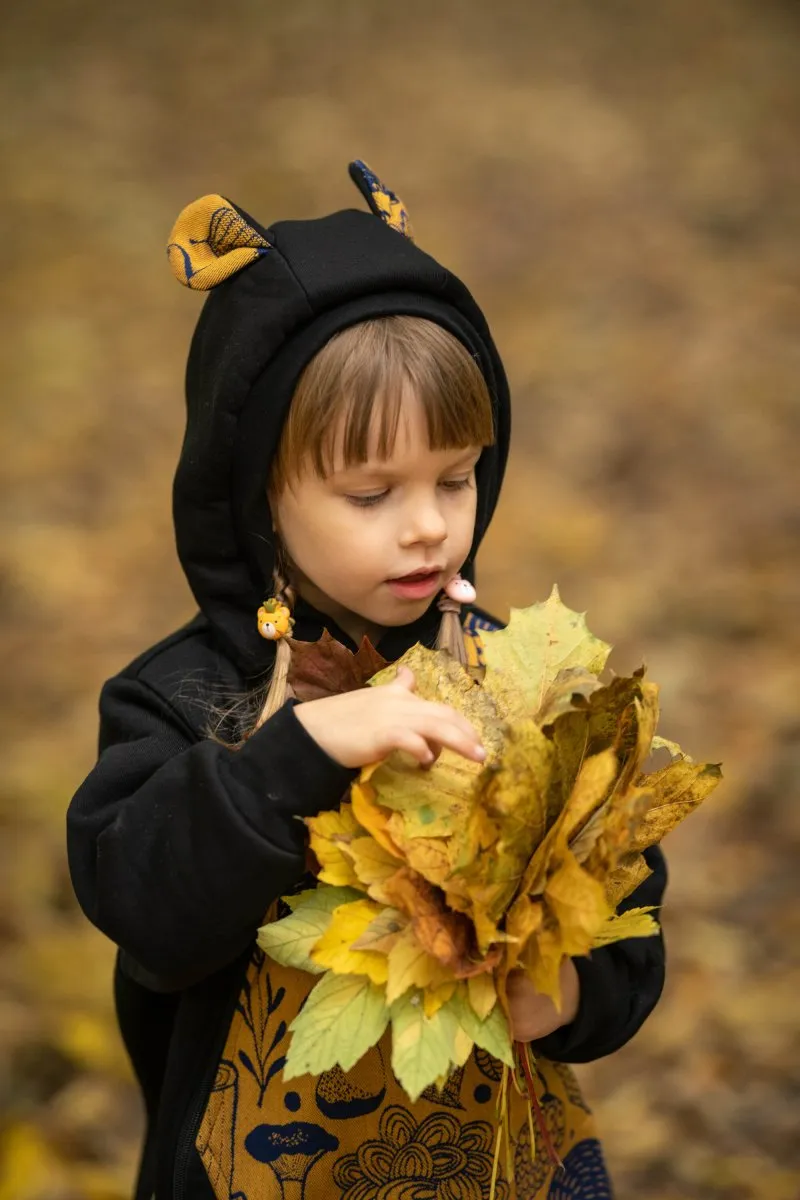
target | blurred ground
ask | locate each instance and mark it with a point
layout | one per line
(618, 183)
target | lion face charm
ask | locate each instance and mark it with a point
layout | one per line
(274, 620)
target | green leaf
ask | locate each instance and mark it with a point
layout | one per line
(423, 1048)
(323, 896)
(492, 1035)
(290, 940)
(342, 1018)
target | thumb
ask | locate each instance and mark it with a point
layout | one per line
(405, 677)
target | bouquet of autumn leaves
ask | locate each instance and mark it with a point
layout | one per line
(435, 883)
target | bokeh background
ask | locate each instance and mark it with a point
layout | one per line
(618, 183)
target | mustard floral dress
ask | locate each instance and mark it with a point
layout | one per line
(356, 1136)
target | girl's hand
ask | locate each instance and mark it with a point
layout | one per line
(533, 1015)
(364, 726)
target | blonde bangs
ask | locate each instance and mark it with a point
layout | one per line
(352, 392)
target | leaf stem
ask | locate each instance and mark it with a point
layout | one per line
(524, 1056)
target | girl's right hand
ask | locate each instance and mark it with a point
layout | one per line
(365, 726)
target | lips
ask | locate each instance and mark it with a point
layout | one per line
(422, 573)
(417, 585)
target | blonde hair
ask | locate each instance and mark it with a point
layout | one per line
(356, 384)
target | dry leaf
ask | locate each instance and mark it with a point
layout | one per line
(524, 659)
(327, 668)
(335, 948)
(331, 833)
(472, 871)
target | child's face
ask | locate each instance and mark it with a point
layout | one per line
(353, 535)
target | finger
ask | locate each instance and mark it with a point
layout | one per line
(435, 750)
(444, 712)
(447, 733)
(415, 745)
(405, 677)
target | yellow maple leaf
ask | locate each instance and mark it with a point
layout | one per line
(583, 813)
(523, 660)
(619, 821)
(482, 995)
(434, 998)
(370, 815)
(525, 918)
(578, 903)
(330, 833)
(410, 965)
(441, 679)
(636, 922)
(677, 789)
(382, 933)
(427, 855)
(335, 949)
(541, 961)
(630, 871)
(475, 870)
(371, 862)
(610, 719)
(586, 797)
(570, 690)
(494, 846)
(647, 712)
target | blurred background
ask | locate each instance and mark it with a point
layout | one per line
(618, 184)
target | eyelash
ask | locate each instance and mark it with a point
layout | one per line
(450, 485)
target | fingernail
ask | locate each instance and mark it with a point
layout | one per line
(480, 753)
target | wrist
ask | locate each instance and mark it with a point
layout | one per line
(570, 992)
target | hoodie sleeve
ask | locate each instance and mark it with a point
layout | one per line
(620, 984)
(176, 846)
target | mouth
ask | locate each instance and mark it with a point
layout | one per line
(422, 573)
(417, 585)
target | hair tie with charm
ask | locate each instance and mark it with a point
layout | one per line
(456, 591)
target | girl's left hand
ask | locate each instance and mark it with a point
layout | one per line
(533, 1015)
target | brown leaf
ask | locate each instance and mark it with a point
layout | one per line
(679, 788)
(327, 668)
(446, 935)
(570, 690)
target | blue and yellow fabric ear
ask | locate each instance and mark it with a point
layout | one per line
(383, 202)
(211, 241)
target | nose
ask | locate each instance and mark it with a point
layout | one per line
(425, 523)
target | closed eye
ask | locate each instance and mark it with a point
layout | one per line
(456, 485)
(366, 501)
(449, 485)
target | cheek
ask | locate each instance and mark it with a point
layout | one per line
(464, 524)
(331, 540)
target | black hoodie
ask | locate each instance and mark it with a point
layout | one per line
(177, 845)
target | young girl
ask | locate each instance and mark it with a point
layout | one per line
(347, 433)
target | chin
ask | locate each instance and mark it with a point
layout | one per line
(404, 614)
(396, 621)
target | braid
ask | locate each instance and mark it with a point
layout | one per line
(451, 631)
(279, 689)
(457, 591)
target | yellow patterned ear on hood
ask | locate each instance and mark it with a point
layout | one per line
(383, 202)
(210, 241)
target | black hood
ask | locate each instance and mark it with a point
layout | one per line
(276, 295)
